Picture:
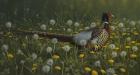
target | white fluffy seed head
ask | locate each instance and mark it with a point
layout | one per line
(110, 71)
(66, 48)
(123, 53)
(112, 46)
(114, 54)
(49, 49)
(121, 25)
(76, 24)
(69, 22)
(46, 68)
(50, 62)
(5, 47)
(54, 40)
(132, 23)
(8, 24)
(128, 39)
(86, 28)
(52, 22)
(36, 36)
(93, 24)
(69, 30)
(134, 48)
(83, 42)
(97, 63)
(112, 28)
(34, 56)
(43, 27)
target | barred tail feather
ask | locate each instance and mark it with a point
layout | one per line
(60, 37)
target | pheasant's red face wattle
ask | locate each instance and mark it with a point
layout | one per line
(109, 16)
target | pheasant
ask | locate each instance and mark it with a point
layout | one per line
(95, 37)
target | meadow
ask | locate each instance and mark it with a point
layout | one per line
(35, 55)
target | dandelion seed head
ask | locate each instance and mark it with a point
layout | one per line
(76, 24)
(34, 56)
(66, 48)
(133, 23)
(69, 22)
(50, 62)
(83, 42)
(5, 47)
(97, 63)
(52, 22)
(49, 49)
(46, 68)
(43, 27)
(69, 30)
(135, 48)
(114, 54)
(121, 25)
(123, 53)
(8, 24)
(54, 40)
(36, 36)
(93, 24)
(110, 71)
(112, 46)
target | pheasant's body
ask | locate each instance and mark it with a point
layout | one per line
(93, 37)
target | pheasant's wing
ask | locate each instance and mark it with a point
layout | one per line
(95, 32)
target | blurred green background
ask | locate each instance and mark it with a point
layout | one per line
(41, 10)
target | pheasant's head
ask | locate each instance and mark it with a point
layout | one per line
(106, 17)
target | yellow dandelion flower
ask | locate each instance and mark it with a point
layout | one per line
(92, 52)
(87, 69)
(135, 33)
(110, 61)
(117, 48)
(10, 56)
(133, 56)
(127, 47)
(34, 67)
(122, 69)
(55, 56)
(57, 67)
(137, 43)
(94, 72)
(133, 42)
(124, 34)
(103, 71)
(81, 55)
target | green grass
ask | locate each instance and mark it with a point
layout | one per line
(34, 54)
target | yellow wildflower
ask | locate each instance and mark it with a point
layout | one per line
(81, 55)
(103, 71)
(55, 56)
(10, 56)
(87, 69)
(34, 67)
(92, 52)
(127, 47)
(124, 34)
(133, 56)
(133, 42)
(94, 72)
(135, 33)
(117, 48)
(122, 69)
(110, 61)
(57, 67)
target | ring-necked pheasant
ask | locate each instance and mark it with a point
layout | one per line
(94, 37)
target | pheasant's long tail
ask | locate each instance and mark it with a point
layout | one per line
(60, 37)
